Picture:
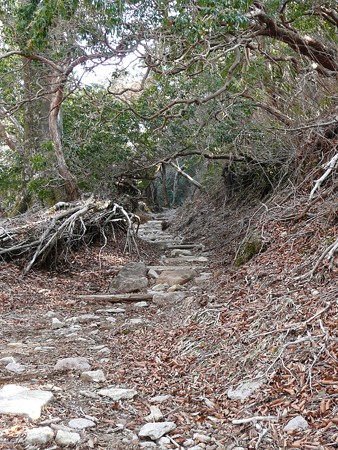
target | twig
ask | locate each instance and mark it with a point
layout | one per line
(254, 419)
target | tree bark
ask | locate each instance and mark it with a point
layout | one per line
(71, 189)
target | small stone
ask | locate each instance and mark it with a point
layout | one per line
(174, 287)
(244, 390)
(164, 441)
(15, 367)
(112, 310)
(168, 298)
(148, 445)
(66, 438)
(188, 443)
(86, 318)
(93, 375)
(152, 273)
(81, 424)
(104, 350)
(136, 321)
(141, 305)
(156, 430)
(159, 399)
(77, 363)
(57, 324)
(201, 438)
(7, 360)
(297, 423)
(160, 287)
(39, 436)
(111, 319)
(118, 393)
(155, 414)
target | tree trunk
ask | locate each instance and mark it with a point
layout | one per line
(164, 186)
(70, 186)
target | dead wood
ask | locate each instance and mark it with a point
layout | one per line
(46, 236)
(116, 298)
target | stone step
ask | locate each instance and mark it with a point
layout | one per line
(183, 246)
(185, 259)
(179, 267)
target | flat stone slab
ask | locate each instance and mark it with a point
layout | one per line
(156, 430)
(244, 390)
(81, 424)
(176, 277)
(77, 363)
(118, 393)
(168, 298)
(18, 400)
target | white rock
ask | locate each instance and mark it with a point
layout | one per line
(56, 324)
(81, 424)
(152, 273)
(22, 401)
(93, 375)
(104, 350)
(66, 438)
(118, 393)
(111, 319)
(15, 367)
(7, 360)
(141, 304)
(160, 287)
(297, 423)
(112, 310)
(159, 399)
(244, 390)
(188, 443)
(201, 438)
(156, 430)
(136, 321)
(155, 414)
(77, 363)
(85, 318)
(148, 445)
(39, 436)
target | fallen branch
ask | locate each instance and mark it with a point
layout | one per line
(45, 235)
(115, 298)
(254, 419)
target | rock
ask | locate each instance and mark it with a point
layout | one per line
(188, 443)
(66, 438)
(159, 399)
(15, 367)
(141, 304)
(81, 424)
(155, 414)
(56, 324)
(297, 423)
(39, 436)
(111, 319)
(164, 441)
(244, 390)
(112, 310)
(7, 360)
(94, 375)
(118, 393)
(201, 438)
(77, 363)
(179, 276)
(156, 430)
(181, 252)
(167, 298)
(132, 277)
(136, 321)
(174, 287)
(104, 350)
(160, 287)
(22, 401)
(152, 273)
(86, 318)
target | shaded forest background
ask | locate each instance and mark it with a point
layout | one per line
(221, 97)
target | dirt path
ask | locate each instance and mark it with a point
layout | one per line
(138, 346)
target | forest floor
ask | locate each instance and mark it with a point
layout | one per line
(267, 323)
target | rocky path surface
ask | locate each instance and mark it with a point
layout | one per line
(105, 376)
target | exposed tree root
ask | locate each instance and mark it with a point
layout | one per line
(47, 235)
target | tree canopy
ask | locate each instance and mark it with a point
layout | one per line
(214, 79)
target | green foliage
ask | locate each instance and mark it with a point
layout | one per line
(248, 250)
